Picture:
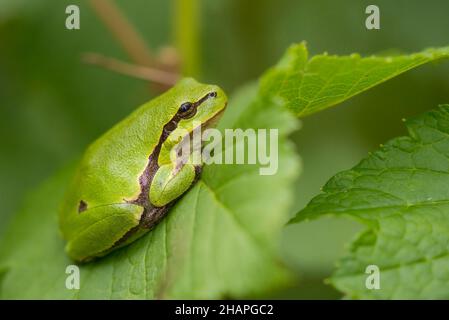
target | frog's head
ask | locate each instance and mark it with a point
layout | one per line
(203, 104)
(197, 105)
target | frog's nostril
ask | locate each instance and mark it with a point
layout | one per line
(213, 94)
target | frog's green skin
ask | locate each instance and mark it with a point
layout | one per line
(126, 181)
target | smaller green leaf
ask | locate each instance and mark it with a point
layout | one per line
(310, 85)
(401, 192)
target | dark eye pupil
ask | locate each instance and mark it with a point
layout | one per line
(185, 107)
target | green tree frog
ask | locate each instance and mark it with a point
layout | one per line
(126, 181)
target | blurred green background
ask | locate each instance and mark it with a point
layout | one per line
(52, 104)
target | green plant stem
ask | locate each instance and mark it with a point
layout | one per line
(186, 27)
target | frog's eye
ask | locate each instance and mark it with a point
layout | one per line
(187, 110)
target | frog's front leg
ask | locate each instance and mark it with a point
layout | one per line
(169, 183)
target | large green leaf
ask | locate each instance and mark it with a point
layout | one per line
(401, 192)
(310, 85)
(220, 240)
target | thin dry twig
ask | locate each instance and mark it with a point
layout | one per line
(123, 31)
(129, 69)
